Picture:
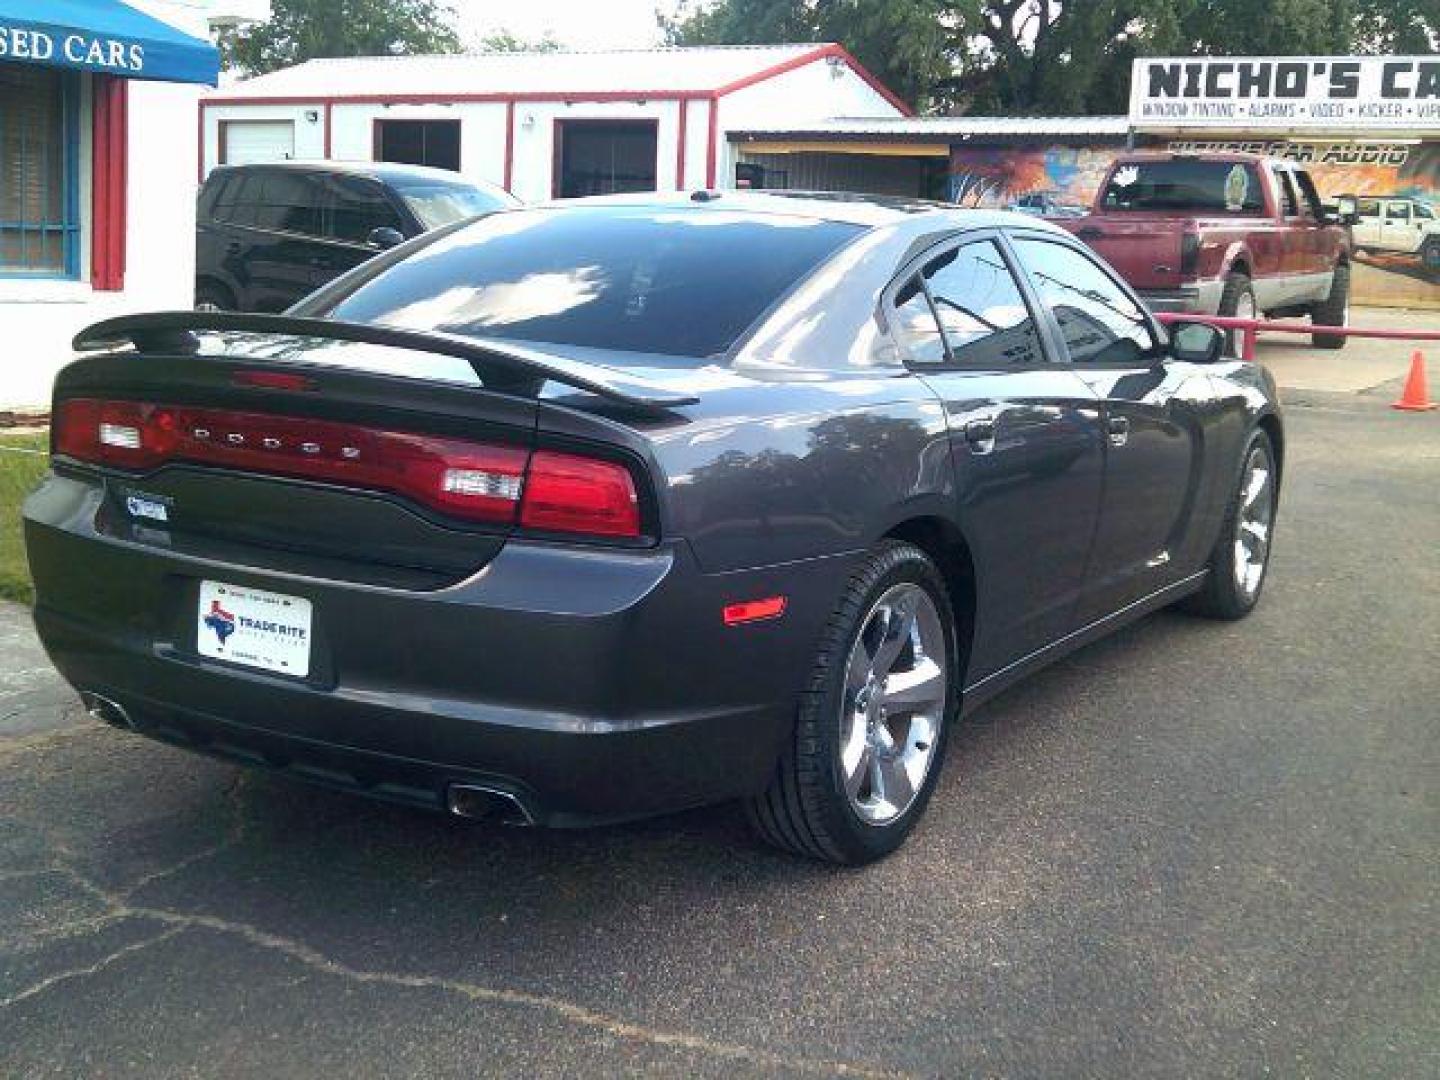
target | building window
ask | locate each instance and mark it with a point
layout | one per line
(604, 157)
(435, 143)
(39, 173)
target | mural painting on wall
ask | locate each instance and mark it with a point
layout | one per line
(1397, 184)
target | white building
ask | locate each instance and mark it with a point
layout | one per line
(542, 125)
(97, 178)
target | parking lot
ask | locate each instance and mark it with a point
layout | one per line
(1193, 849)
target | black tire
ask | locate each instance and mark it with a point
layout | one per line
(1430, 255)
(806, 809)
(212, 296)
(1334, 310)
(1237, 287)
(1222, 596)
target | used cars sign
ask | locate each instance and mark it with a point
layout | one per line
(103, 36)
(1306, 92)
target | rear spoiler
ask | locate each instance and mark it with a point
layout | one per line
(174, 332)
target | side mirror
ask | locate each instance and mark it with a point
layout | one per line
(1347, 209)
(1197, 343)
(385, 238)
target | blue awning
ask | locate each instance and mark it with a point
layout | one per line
(103, 36)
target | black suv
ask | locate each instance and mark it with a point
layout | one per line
(270, 234)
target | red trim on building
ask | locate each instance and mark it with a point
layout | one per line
(683, 107)
(824, 52)
(329, 126)
(509, 145)
(109, 179)
(200, 143)
(464, 99)
(712, 139)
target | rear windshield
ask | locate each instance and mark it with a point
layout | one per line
(1219, 187)
(677, 282)
(436, 203)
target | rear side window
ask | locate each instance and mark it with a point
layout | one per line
(681, 282)
(1219, 187)
(288, 202)
(1099, 322)
(235, 202)
(358, 208)
(979, 317)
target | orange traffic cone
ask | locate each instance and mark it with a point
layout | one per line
(1416, 395)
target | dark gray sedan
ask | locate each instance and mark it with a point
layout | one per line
(597, 510)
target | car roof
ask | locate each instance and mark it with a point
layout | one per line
(850, 208)
(375, 170)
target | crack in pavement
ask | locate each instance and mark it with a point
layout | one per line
(92, 969)
(119, 906)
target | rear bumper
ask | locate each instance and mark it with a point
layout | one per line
(1201, 298)
(594, 684)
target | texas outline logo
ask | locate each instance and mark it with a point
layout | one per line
(221, 621)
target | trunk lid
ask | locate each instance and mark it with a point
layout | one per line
(280, 510)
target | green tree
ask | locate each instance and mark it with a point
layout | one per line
(904, 42)
(301, 30)
(1054, 56)
(503, 41)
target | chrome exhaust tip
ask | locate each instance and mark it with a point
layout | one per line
(106, 711)
(480, 803)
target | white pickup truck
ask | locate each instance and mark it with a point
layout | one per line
(1398, 223)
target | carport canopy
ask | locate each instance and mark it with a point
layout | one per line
(103, 36)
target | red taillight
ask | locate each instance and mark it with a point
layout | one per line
(561, 493)
(463, 479)
(566, 493)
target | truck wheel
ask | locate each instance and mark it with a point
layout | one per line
(1237, 301)
(1430, 256)
(1334, 310)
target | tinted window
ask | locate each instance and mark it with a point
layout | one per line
(436, 203)
(1368, 208)
(1397, 211)
(358, 207)
(1099, 323)
(1211, 186)
(288, 202)
(981, 311)
(681, 282)
(1423, 211)
(915, 325)
(236, 202)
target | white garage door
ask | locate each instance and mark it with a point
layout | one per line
(257, 140)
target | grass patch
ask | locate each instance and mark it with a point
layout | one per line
(23, 460)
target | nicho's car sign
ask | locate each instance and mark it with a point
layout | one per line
(1304, 92)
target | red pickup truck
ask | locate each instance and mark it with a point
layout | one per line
(1223, 234)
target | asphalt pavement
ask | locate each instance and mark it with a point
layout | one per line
(1193, 849)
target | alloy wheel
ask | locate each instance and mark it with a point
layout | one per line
(896, 690)
(1253, 521)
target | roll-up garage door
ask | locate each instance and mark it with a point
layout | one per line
(244, 141)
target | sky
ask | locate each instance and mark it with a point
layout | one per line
(579, 24)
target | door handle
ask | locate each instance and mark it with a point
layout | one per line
(980, 435)
(1090, 233)
(1118, 428)
(233, 247)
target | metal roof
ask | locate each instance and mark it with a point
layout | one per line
(945, 128)
(657, 71)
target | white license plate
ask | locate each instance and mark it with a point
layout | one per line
(264, 630)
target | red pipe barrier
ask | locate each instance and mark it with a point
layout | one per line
(1252, 327)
